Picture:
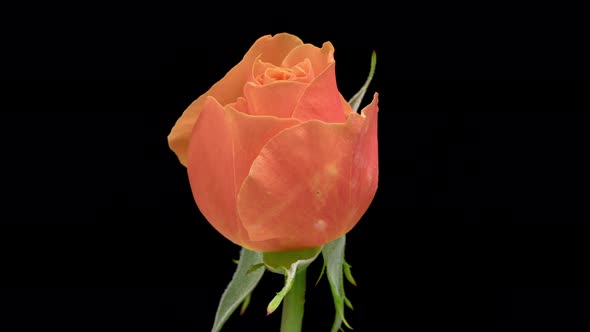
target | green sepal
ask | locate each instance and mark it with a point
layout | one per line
(255, 267)
(348, 274)
(287, 263)
(239, 288)
(355, 101)
(321, 272)
(245, 304)
(333, 253)
(281, 261)
(348, 303)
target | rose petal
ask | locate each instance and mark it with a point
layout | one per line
(311, 182)
(321, 100)
(211, 172)
(320, 58)
(241, 105)
(223, 146)
(277, 99)
(345, 107)
(365, 163)
(258, 69)
(268, 48)
(250, 134)
(301, 72)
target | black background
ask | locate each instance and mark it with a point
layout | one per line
(479, 222)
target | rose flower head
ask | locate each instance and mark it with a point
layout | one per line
(277, 160)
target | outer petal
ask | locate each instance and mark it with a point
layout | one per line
(277, 99)
(311, 183)
(270, 49)
(345, 106)
(250, 134)
(211, 170)
(321, 100)
(365, 163)
(223, 146)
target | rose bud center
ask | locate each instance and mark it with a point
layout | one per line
(301, 72)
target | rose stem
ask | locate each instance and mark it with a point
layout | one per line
(292, 312)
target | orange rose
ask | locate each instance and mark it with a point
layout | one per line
(276, 158)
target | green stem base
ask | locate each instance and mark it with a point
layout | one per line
(292, 312)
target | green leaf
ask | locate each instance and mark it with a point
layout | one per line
(333, 253)
(239, 288)
(355, 101)
(287, 263)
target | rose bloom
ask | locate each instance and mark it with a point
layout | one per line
(276, 158)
